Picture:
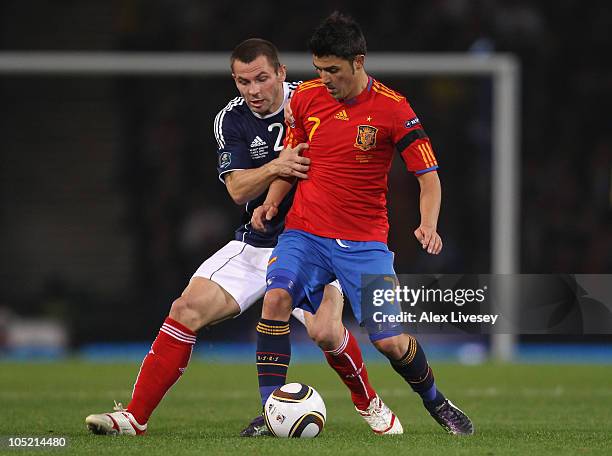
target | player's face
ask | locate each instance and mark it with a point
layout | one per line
(260, 84)
(340, 76)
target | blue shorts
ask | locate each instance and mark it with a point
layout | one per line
(303, 263)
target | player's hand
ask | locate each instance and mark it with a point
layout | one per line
(289, 119)
(290, 163)
(263, 214)
(429, 238)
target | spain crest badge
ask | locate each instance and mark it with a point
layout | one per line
(366, 137)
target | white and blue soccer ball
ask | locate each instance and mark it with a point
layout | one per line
(295, 410)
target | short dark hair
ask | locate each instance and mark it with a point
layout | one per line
(250, 49)
(338, 35)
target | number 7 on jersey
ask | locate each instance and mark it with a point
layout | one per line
(317, 122)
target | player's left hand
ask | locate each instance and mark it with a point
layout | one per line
(263, 214)
(429, 238)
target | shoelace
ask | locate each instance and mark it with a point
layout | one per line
(118, 407)
(377, 413)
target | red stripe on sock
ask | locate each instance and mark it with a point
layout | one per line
(179, 326)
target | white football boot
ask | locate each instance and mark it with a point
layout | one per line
(380, 418)
(119, 422)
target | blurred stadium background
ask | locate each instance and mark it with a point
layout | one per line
(109, 192)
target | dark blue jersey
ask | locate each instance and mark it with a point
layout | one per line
(247, 140)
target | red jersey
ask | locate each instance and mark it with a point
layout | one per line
(351, 145)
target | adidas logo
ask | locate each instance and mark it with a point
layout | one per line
(258, 142)
(341, 115)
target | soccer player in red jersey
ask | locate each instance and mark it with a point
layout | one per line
(337, 226)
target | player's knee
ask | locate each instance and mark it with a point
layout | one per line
(277, 305)
(392, 347)
(188, 312)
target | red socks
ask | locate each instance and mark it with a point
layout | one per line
(346, 360)
(171, 350)
(161, 368)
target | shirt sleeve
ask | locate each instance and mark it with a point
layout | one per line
(412, 142)
(232, 151)
(296, 132)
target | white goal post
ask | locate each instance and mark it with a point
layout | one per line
(504, 69)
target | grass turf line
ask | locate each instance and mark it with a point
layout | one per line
(517, 409)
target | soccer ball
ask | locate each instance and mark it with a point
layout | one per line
(295, 410)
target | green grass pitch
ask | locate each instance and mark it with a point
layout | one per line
(517, 409)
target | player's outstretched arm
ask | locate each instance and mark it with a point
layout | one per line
(247, 184)
(429, 204)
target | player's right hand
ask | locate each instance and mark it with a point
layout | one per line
(290, 163)
(429, 238)
(263, 214)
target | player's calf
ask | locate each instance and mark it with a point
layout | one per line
(408, 359)
(415, 370)
(273, 343)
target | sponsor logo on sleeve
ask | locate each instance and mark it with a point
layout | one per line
(412, 122)
(225, 159)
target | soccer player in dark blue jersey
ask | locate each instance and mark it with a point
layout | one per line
(249, 133)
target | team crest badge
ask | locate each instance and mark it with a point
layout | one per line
(366, 137)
